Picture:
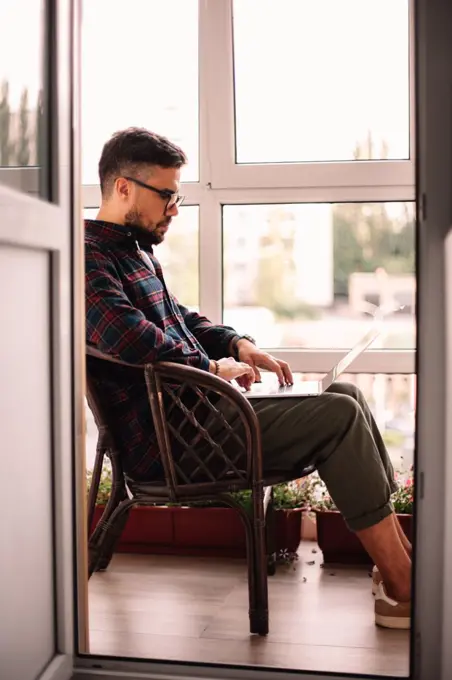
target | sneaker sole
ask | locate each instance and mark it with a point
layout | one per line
(394, 622)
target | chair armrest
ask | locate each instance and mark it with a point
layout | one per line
(163, 374)
(198, 378)
(182, 373)
(97, 354)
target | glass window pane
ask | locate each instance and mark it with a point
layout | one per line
(178, 255)
(21, 82)
(148, 83)
(321, 80)
(303, 275)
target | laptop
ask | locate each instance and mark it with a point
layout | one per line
(270, 388)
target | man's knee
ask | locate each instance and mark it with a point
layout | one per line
(344, 407)
(347, 389)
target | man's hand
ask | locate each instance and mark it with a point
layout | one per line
(257, 358)
(230, 369)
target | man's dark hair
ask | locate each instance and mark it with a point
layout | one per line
(130, 151)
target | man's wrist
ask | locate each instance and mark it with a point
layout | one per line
(233, 345)
(235, 342)
(214, 367)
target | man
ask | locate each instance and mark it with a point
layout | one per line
(131, 315)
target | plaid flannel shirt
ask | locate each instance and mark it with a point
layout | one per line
(131, 315)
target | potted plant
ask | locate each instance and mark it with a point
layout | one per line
(203, 529)
(307, 491)
(341, 546)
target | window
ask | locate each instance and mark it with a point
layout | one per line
(144, 81)
(342, 234)
(23, 114)
(312, 82)
(178, 255)
(304, 274)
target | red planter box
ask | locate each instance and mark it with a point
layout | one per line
(339, 545)
(214, 532)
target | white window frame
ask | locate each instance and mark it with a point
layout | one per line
(216, 41)
(222, 182)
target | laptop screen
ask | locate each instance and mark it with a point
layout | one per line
(350, 357)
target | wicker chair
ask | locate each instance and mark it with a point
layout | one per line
(221, 473)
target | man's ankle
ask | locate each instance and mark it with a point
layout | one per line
(398, 592)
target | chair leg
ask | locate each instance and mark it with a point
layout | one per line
(94, 488)
(257, 572)
(111, 540)
(106, 534)
(270, 533)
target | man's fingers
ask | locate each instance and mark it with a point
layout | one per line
(288, 377)
(257, 375)
(281, 368)
(248, 371)
(243, 381)
(276, 368)
(251, 374)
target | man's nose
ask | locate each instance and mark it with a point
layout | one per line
(173, 211)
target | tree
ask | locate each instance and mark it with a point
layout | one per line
(6, 146)
(275, 283)
(23, 145)
(179, 257)
(366, 238)
(276, 267)
(365, 150)
(40, 136)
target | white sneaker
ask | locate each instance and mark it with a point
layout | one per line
(389, 613)
(376, 579)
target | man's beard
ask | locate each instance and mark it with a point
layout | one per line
(134, 219)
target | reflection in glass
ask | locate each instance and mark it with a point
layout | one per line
(321, 80)
(21, 83)
(154, 80)
(302, 275)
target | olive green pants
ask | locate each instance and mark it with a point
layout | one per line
(337, 433)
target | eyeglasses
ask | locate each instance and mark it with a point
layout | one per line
(171, 198)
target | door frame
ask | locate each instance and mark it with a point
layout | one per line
(432, 630)
(50, 225)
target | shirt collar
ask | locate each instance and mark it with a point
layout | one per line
(110, 232)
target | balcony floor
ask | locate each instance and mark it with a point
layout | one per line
(195, 609)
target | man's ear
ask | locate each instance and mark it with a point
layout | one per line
(122, 188)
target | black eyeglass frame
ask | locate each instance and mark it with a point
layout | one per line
(172, 199)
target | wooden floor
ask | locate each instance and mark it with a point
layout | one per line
(195, 609)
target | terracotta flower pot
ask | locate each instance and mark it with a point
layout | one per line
(308, 526)
(217, 532)
(339, 545)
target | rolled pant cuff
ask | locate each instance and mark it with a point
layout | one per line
(369, 520)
